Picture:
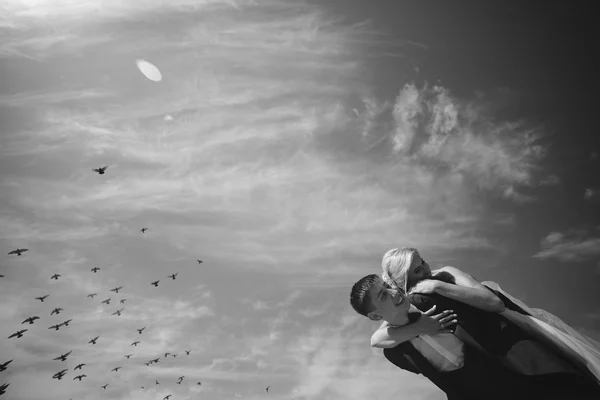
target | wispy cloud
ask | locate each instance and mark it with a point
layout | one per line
(573, 245)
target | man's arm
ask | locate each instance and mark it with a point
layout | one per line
(469, 291)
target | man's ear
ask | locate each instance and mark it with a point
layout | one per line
(373, 316)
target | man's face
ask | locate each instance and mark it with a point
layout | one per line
(389, 305)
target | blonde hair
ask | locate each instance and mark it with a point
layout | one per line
(395, 265)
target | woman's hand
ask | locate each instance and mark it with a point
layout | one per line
(438, 323)
(426, 286)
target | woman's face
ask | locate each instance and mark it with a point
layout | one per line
(418, 271)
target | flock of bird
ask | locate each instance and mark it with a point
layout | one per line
(63, 357)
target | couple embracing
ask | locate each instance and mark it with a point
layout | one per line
(472, 339)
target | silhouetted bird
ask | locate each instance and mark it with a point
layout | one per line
(155, 360)
(167, 354)
(128, 355)
(141, 330)
(107, 301)
(5, 365)
(155, 283)
(59, 375)
(105, 386)
(30, 320)
(199, 383)
(95, 269)
(100, 170)
(267, 388)
(116, 369)
(42, 298)
(79, 377)
(135, 343)
(157, 382)
(173, 355)
(63, 357)
(93, 341)
(3, 388)
(187, 352)
(173, 276)
(55, 276)
(116, 290)
(66, 323)
(57, 327)
(91, 295)
(200, 261)
(143, 230)
(56, 311)
(167, 397)
(1, 276)
(18, 251)
(118, 312)
(18, 334)
(123, 301)
(78, 367)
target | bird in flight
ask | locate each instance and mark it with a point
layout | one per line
(200, 261)
(30, 320)
(155, 283)
(18, 334)
(156, 382)
(55, 276)
(267, 388)
(173, 276)
(173, 355)
(187, 352)
(143, 230)
(155, 360)
(78, 367)
(1, 276)
(135, 343)
(95, 269)
(3, 388)
(63, 357)
(42, 298)
(93, 341)
(167, 397)
(56, 311)
(123, 301)
(116, 290)
(57, 327)
(107, 301)
(91, 295)
(128, 355)
(199, 383)
(4, 365)
(59, 375)
(105, 386)
(118, 312)
(141, 330)
(167, 354)
(66, 323)
(100, 170)
(116, 369)
(18, 251)
(79, 377)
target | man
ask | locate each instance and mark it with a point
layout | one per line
(458, 368)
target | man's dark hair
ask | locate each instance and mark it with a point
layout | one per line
(360, 296)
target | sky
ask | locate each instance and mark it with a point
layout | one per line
(288, 146)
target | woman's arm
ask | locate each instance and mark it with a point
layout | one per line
(386, 337)
(469, 291)
(427, 324)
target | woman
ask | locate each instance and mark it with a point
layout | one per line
(528, 341)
